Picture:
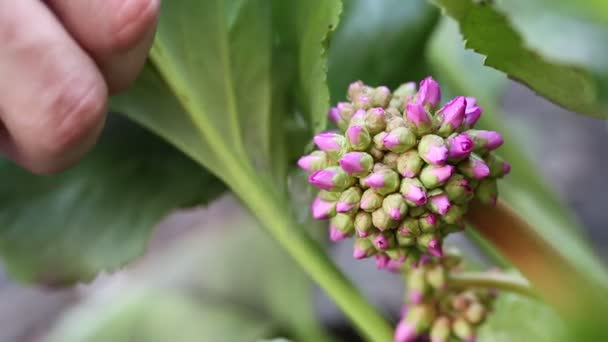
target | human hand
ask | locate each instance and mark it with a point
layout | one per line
(59, 60)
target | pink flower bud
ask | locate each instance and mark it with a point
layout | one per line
(432, 149)
(472, 112)
(336, 234)
(418, 118)
(322, 210)
(474, 167)
(315, 161)
(450, 117)
(357, 163)
(439, 204)
(485, 140)
(429, 93)
(459, 146)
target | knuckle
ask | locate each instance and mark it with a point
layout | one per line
(76, 111)
(134, 18)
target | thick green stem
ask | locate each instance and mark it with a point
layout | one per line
(498, 281)
(275, 217)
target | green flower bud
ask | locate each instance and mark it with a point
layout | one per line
(413, 192)
(363, 223)
(355, 89)
(463, 330)
(376, 153)
(417, 286)
(358, 137)
(375, 120)
(392, 113)
(417, 211)
(430, 243)
(428, 222)
(383, 240)
(371, 200)
(394, 122)
(343, 222)
(329, 195)
(381, 96)
(458, 189)
(474, 167)
(436, 276)
(487, 191)
(421, 316)
(433, 149)
(461, 302)
(475, 313)
(399, 140)
(498, 167)
(349, 200)
(409, 164)
(455, 214)
(440, 331)
(433, 176)
(385, 181)
(405, 89)
(405, 240)
(390, 160)
(382, 220)
(379, 141)
(394, 205)
(409, 227)
(363, 248)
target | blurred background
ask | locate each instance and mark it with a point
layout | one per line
(213, 269)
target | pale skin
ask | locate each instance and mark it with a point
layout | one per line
(59, 62)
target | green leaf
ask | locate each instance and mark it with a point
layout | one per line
(223, 280)
(380, 44)
(97, 216)
(517, 318)
(488, 32)
(157, 316)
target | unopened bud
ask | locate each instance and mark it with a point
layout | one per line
(331, 179)
(363, 248)
(378, 140)
(409, 227)
(344, 223)
(409, 164)
(334, 115)
(371, 200)
(431, 243)
(382, 260)
(485, 141)
(384, 181)
(440, 331)
(475, 313)
(394, 205)
(433, 150)
(418, 119)
(345, 110)
(472, 113)
(375, 120)
(322, 210)
(459, 146)
(349, 200)
(330, 142)
(458, 189)
(358, 137)
(428, 223)
(394, 122)
(381, 96)
(382, 220)
(455, 215)
(399, 140)
(421, 316)
(498, 167)
(474, 167)
(405, 90)
(429, 94)
(355, 89)
(336, 234)
(358, 118)
(406, 240)
(357, 164)
(383, 240)
(315, 161)
(363, 223)
(329, 196)
(487, 191)
(433, 176)
(417, 211)
(463, 330)
(413, 191)
(450, 117)
(376, 153)
(417, 286)
(439, 203)
(436, 276)
(390, 159)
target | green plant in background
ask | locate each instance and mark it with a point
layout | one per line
(239, 88)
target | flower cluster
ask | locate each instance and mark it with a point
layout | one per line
(437, 311)
(400, 173)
